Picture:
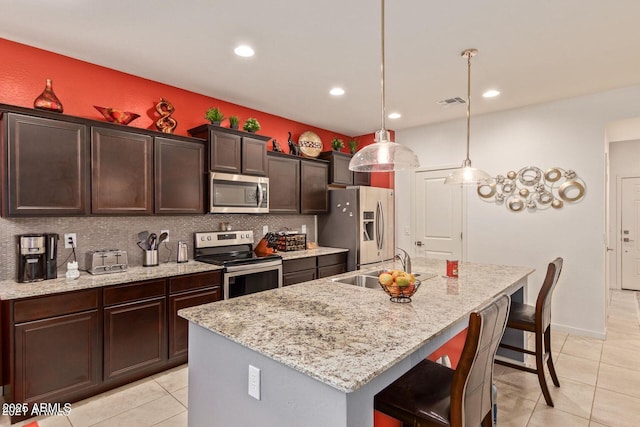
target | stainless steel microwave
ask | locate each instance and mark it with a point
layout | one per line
(229, 193)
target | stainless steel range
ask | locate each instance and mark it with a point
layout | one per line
(244, 272)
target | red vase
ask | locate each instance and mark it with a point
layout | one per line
(48, 100)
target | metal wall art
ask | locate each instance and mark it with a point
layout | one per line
(533, 189)
(165, 123)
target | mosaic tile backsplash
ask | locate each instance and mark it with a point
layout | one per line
(122, 233)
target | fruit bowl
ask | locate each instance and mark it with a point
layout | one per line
(400, 286)
(117, 116)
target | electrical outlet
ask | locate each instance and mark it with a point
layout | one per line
(168, 235)
(304, 229)
(70, 240)
(265, 229)
(254, 382)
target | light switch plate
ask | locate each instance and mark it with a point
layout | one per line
(254, 382)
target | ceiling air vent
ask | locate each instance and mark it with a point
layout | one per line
(452, 101)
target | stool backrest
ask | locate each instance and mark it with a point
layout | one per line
(543, 303)
(471, 397)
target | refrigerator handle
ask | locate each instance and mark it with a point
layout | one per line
(380, 225)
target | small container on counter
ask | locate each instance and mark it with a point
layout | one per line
(150, 258)
(452, 268)
(183, 254)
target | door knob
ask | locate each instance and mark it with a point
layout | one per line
(418, 243)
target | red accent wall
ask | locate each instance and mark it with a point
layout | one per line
(80, 85)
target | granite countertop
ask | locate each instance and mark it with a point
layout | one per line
(10, 289)
(344, 335)
(311, 252)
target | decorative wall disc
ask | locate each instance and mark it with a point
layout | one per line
(534, 189)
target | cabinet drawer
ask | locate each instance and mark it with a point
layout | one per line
(331, 270)
(54, 305)
(133, 292)
(298, 264)
(299, 277)
(194, 281)
(332, 259)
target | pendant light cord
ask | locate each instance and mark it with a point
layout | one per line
(468, 54)
(382, 119)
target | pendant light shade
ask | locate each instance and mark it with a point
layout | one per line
(383, 155)
(468, 175)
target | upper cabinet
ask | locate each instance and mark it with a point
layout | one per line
(339, 173)
(121, 171)
(47, 169)
(179, 176)
(314, 196)
(234, 151)
(63, 165)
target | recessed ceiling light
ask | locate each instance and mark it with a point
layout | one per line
(337, 91)
(491, 93)
(244, 51)
(394, 115)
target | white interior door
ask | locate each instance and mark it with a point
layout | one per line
(630, 242)
(438, 216)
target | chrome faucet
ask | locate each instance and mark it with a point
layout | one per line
(406, 260)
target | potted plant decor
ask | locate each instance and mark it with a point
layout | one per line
(251, 125)
(353, 145)
(233, 122)
(214, 116)
(337, 144)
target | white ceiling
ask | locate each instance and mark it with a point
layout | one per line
(532, 51)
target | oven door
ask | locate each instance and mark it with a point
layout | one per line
(238, 193)
(247, 279)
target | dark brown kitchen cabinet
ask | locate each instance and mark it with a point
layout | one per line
(314, 197)
(135, 333)
(122, 172)
(179, 176)
(47, 170)
(339, 173)
(184, 292)
(299, 270)
(332, 264)
(64, 329)
(284, 184)
(234, 151)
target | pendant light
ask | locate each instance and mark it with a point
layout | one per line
(467, 174)
(383, 155)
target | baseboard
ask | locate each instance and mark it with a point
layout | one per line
(577, 331)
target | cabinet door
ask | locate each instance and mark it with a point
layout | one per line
(122, 172)
(314, 196)
(362, 178)
(179, 327)
(284, 185)
(134, 338)
(254, 156)
(48, 167)
(340, 173)
(179, 176)
(72, 343)
(225, 152)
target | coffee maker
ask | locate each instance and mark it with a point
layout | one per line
(37, 257)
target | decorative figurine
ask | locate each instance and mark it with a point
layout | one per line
(48, 100)
(294, 149)
(275, 146)
(165, 123)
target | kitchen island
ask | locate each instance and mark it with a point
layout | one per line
(324, 349)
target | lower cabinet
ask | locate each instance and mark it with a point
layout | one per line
(315, 267)
(65, 347)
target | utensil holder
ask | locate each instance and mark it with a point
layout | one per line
(150, 258)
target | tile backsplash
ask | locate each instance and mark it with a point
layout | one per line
(122, 233)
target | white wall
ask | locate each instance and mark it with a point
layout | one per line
(569, 134)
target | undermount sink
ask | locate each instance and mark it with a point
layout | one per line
(361, 280)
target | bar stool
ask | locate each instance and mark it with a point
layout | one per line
(430, 394)
(537, 320)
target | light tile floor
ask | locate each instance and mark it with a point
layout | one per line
(599, 386)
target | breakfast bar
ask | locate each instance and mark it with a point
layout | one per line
(324, 349)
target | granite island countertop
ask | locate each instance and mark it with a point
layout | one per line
(10, 289)
(344, 335)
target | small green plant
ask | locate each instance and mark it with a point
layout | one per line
(337, 144)
(251, 125)
(233, 122)
(214, 115)
(353, 145)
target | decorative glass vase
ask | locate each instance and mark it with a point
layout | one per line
(48, 99)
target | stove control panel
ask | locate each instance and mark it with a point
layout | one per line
(213, 239)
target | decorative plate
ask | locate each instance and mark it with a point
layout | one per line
(310, 144)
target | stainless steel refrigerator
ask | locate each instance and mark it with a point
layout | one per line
(360, 219)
